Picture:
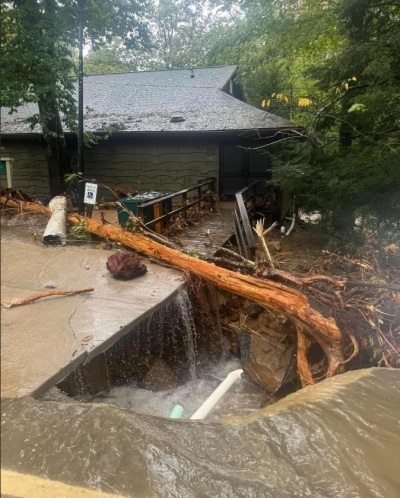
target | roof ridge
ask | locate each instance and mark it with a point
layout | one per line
(164, 70)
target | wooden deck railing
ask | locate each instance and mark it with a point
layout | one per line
(178, 202)
(245, 202)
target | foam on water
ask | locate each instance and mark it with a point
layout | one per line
(243, 398)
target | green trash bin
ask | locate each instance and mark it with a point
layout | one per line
(135, 201)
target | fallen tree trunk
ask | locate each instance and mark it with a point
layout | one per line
(273, 295)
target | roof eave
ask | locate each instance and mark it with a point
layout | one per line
(245, 132)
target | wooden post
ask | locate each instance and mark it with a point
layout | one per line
(157, 212)
(184, 203)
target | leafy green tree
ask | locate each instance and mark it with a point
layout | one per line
(111, 58)
(180, 37)
(334, 69)
(37, 44)
(179, 31)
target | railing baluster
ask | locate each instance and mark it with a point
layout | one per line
(184, 203)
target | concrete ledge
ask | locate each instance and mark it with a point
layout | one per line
(45, 341)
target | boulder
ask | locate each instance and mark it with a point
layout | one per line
(125, 265)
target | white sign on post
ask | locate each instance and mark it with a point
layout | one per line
(90, 193)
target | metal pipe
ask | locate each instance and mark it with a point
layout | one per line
(81, 169)
(213, 399)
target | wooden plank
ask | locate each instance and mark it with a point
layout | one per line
(245, 223)
(219, 225)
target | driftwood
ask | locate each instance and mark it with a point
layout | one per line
(108, 205)
(36, 297)
(310, 324)
(259, 229)
(12, 193)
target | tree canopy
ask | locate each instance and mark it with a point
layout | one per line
(37, 46)
(334, 69)
(179, 37)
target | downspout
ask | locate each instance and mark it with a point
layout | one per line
(292, 219)
(213, 399)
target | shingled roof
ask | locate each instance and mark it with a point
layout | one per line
(182, 100)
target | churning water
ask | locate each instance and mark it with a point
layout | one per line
(339, 438)
(170, 334)
(243, 398)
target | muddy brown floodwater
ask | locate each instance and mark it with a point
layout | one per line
(339, 438)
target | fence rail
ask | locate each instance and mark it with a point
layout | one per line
(184, 200)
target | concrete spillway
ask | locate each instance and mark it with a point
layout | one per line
(45, 341)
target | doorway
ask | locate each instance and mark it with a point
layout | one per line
(241, 164)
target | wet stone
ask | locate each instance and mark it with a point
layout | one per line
(160, 377)
(125, 265)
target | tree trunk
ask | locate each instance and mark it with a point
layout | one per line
(309, 322)
(58, 160)
(270, 294)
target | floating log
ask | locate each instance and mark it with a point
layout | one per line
(308, 321)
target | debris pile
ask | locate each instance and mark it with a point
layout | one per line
(330, 311)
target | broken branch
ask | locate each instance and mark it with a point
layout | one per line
(259, 229)
(36, 297)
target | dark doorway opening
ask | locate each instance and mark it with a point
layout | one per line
(241, 164)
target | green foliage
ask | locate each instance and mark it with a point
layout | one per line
(80, 230)
(179, 37)
(334, 69)
(112, 58)
(38, 42)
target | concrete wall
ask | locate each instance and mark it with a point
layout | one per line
(162, 165)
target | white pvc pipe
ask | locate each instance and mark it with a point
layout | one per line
(213, 399)
(56, 228)
(292, 219)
